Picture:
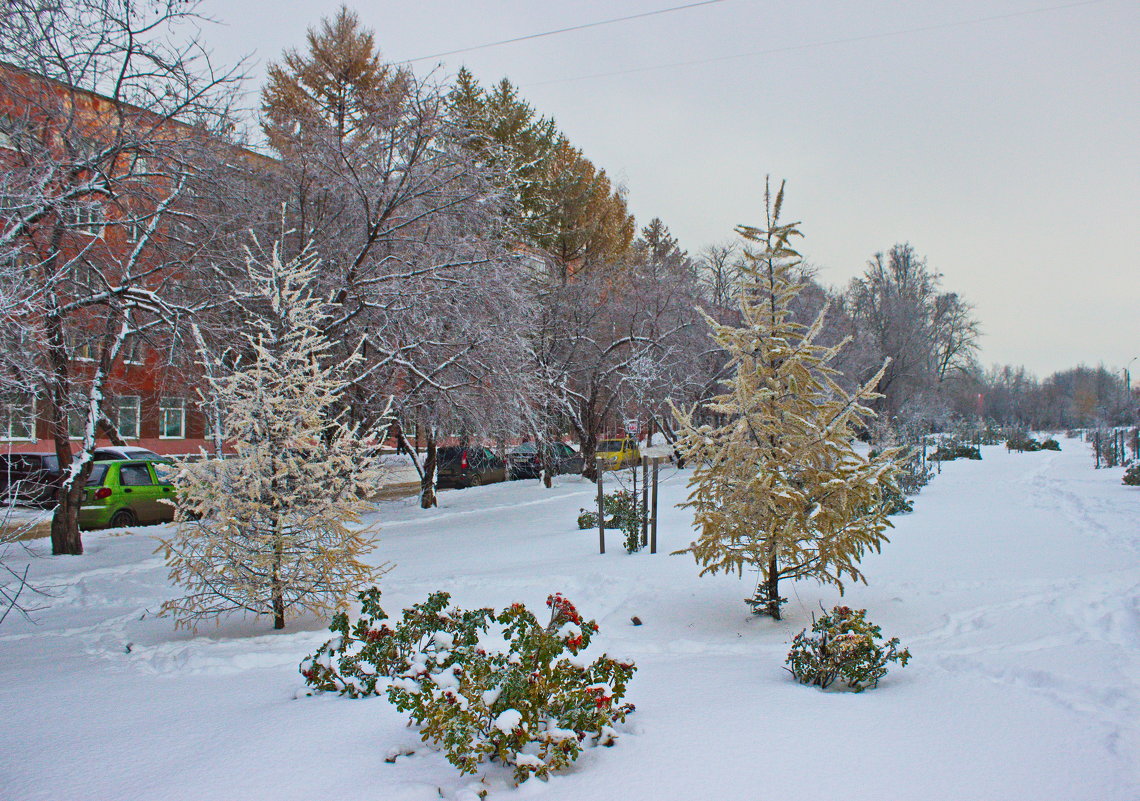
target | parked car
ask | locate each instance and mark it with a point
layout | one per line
(112, 452)
(523, 460)
(618, 453)
(127, 492)
(29, 478)
(468, 466)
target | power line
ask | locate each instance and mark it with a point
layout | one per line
(811, 45)
(563, 30)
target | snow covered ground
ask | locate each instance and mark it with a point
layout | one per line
(1015, 584)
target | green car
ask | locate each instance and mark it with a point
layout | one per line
(127, 492)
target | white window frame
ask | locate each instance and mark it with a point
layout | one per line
(9, 420)
(133, 402)
(88, 219)
(77, 414)
(132, 349)
(79, 346)
(166, 406)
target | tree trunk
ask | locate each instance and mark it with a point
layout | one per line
(589, 463)
(65, 537)
(276, 589)
(773, 588)
(427, 480)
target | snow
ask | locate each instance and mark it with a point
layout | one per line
(1015, 583)
(507, 721)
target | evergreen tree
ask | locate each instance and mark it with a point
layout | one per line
(275, 527)
(777, 483)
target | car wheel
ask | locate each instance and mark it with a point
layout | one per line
(123, 518)
(475, 481)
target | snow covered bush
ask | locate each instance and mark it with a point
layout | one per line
(894, 501)
(843, 646)
(528, 701)
(1022, 442)
(1132, 476)
(1050, 445)
(949, 450)
(370, 649)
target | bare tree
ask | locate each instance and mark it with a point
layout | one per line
(412, 231)
(107, 107)
(927, 333)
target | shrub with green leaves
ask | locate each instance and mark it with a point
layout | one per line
(1022, 442)
(894, 500)
(843, 646)
(1132, 476)
(533, 706)
(370, 649)
(622, 511)
(949, 450)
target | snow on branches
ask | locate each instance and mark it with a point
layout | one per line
(777, 484)
(276, 527)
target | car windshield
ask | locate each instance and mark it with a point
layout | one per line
(526, 449)
(98, 473)
(610, 445)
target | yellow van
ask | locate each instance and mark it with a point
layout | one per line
(618, 453)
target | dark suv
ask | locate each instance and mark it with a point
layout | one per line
(523, 460)
(468, 466)
(29, 478)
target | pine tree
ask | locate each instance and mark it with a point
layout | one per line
(778, 486)
(276, 527)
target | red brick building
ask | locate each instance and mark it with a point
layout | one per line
(149, 392)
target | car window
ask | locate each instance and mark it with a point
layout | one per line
(610, 445)
(98, 473)
(135, 475)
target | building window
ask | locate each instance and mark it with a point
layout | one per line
(172, 418)
(77, 416)
(80, 345)
(87, 219)
(127, 416)
(18, 419)
(132, 349)
(207, 411)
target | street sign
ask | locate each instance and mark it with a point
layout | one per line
(632, 427)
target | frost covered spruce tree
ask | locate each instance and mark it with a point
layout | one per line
(777, 484)
(276, 527)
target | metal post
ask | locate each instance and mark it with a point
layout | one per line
(601, 469)
(653, 529)
(644, 501)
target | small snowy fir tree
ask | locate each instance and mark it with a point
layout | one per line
(778, 485)
(276, 527)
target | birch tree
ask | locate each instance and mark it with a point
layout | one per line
(777, 484)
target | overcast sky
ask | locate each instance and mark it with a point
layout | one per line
(1000, 138)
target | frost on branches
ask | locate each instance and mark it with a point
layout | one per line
(276, 527)
(777, 484)
(533, 706)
